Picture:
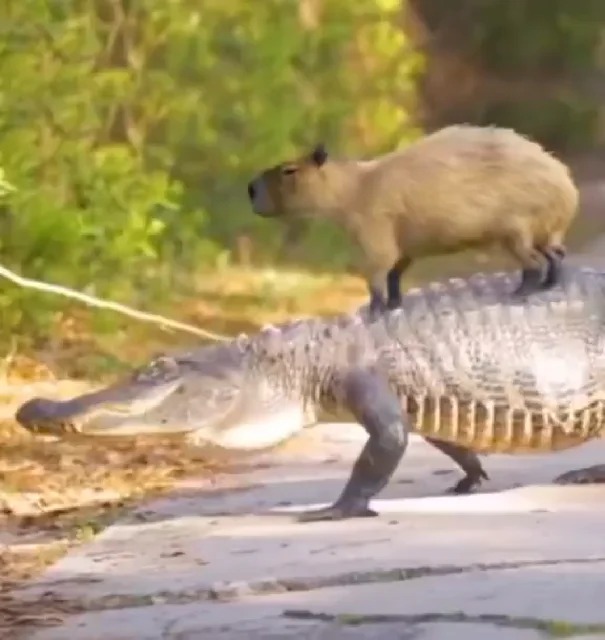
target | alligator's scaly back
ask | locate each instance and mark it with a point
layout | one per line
(477, 367)
(470, 363)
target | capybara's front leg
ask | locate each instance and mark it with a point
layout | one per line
(394, 282)
(378, 302)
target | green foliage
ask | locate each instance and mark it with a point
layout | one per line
(537, 66)
(129, 130)
(87, 209)
(549, 36)
(564, 124)
(267, 80)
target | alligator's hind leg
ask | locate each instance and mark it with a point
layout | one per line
(467, 460)
(375, 406)
(588, 475)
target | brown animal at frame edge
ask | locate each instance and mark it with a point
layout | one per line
(459, 188)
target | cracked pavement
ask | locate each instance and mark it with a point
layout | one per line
(521, 559)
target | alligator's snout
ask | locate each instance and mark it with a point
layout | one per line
(45, 416)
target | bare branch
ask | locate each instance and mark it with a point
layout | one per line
(107, 304)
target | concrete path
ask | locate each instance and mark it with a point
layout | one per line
(511, 562)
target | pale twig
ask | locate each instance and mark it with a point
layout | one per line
(107, 304)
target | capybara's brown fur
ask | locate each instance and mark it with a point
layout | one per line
(463, 186)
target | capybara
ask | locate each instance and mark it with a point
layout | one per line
(463, 186)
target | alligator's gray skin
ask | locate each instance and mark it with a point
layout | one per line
(463, 362)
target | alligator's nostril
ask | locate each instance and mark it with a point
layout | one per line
(251, 190)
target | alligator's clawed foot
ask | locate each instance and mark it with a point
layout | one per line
(336, 512)
(468, 484)
(588, 475)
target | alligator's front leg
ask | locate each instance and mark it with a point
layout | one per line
(369, 398)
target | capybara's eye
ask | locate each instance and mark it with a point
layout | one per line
(289, 170)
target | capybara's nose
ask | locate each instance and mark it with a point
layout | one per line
(251, 190)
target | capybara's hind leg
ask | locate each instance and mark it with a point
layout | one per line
(531, 281)
(394, 282)
(532, 262)
(554, 259)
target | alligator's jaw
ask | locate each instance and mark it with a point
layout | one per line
(241, 428)
(257, 431)
(247, 419)
(114, 411)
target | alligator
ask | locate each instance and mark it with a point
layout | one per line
(460, 362)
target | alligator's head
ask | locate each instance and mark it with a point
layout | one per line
(210, 394)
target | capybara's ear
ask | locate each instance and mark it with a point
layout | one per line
(319, 155)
